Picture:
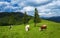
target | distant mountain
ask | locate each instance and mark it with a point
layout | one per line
(55, 19)
(3, 14)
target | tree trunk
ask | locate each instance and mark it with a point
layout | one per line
(35, 24)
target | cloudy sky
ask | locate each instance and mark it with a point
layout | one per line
(46, 8)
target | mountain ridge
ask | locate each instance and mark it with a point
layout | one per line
(55, 19)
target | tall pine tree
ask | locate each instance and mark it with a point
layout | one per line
(36, 17)
(25, 21)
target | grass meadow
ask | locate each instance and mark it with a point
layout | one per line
(18, 31)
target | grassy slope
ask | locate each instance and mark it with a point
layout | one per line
(53, 31)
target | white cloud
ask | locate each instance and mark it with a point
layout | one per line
(22, 3)
(3, 5)
(46, 14)
(49, 9)
(37, 1)
(28, 8)
(16, 1)
(6, 3)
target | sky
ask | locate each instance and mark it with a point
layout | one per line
(46, 8)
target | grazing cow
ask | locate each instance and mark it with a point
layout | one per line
(10, 26)
(27, 27)
(43, 27)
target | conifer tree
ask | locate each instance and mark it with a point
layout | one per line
(36, 17)
(25, 18)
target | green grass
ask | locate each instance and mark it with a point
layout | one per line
(18, 31)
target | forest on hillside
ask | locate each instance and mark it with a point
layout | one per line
(14, 18)
(17, 18)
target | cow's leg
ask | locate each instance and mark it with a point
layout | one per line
(28, 29)
(41, 29)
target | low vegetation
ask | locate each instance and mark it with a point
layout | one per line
(18, 31)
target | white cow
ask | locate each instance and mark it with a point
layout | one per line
(27, 27)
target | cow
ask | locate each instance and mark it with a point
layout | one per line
(27, 27)
(43, 27)
(10, 27)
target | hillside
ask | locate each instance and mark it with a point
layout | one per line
(54, 19)
(15, 18)
(18, 31)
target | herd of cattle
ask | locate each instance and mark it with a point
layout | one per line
(43, 27)
(27, 27)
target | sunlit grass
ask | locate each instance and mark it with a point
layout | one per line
(18, 31)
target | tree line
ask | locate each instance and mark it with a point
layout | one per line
(17, 18)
